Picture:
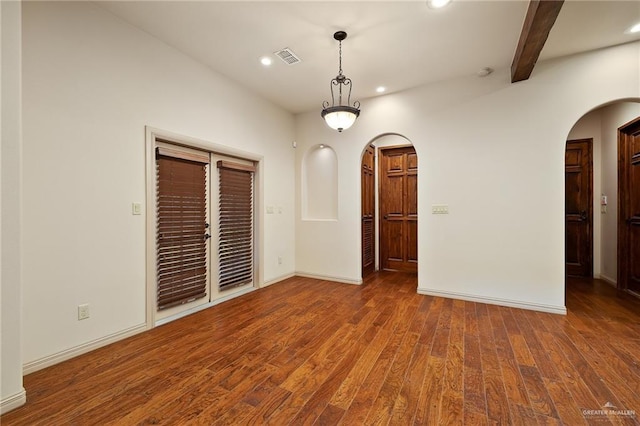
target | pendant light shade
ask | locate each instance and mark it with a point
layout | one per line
(338, 116)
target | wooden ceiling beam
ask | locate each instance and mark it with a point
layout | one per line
(540, 18)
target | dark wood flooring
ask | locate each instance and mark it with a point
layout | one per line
(305, 351)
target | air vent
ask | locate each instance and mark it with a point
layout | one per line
(287, 56)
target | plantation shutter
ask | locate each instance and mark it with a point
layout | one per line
(181, 227)
(235, 224)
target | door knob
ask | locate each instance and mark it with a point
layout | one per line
(583, 215)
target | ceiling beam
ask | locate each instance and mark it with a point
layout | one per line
(540, 18)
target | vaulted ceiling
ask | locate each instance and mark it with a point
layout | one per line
(395, 44)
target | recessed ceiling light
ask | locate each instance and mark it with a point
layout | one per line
(634, 29)
(380, 89)
(437, 4)
(266, 61)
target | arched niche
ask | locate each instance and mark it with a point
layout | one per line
(320, 184)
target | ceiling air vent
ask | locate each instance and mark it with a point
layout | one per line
(287, 56)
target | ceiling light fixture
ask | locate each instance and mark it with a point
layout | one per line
(266, 61)
(437, 4)
(483, 72)
(340, 117)
(380, 89)
(634, 29)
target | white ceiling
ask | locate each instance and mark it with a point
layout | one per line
(396, 44)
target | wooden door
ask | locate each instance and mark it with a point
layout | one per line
(368, 211)
(399, 209)
(578, 208)
(629, 206)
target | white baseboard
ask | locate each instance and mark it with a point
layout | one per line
(277, 279)
(56, 358)
(609, 280)
(561, 310)
(329, 278)
(13, 401)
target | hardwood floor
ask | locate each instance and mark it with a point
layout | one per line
(305, 351)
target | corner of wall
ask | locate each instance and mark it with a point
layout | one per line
(12, 392)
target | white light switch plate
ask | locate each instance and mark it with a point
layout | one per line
(440, 209)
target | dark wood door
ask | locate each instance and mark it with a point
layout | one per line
(578, 208)
(629, 207)
(368, 211)
(399, 209)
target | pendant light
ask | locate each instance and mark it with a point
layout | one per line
(340, 117)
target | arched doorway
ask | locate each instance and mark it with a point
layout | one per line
(389, 207)
(600, 129)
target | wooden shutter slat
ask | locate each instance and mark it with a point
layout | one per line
(181, 212)
(188, 279)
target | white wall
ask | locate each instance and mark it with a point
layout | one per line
(91, 85)
(491, 150)
(12, 393)
(602, 125)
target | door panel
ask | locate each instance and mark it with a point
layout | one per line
(399, 209)
(393, 230)
(232, 225)
(412, 162)
(412, 196)
(394, 196)
(412, 241)
(182, 267)
(629, 208)
(368, 210)
(578, 208)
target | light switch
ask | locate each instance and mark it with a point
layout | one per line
(269, 209)
(440, 209)
(136, 209)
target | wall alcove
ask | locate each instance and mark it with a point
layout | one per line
(320, 184)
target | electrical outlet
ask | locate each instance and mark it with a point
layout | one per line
(279, 260)
(83, 311)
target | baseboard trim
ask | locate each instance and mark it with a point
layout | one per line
(329, 278)
(278, 279)
(560, 310)
(13, 401)
(39, 364)
(609, 280)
